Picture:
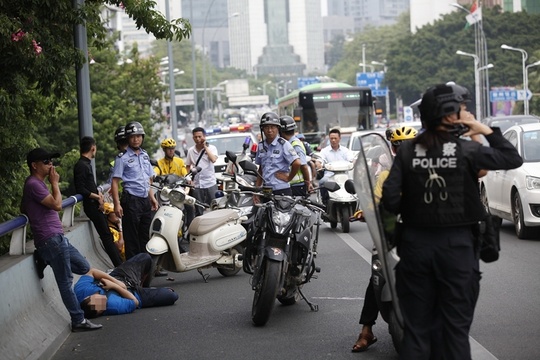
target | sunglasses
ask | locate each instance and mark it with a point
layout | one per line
(46, 161)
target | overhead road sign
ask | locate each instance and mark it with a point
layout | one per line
(373, 80)
(304, 81)
(509, 95)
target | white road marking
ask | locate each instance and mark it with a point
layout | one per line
(478, 352)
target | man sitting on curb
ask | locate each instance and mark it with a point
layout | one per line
(123, 290)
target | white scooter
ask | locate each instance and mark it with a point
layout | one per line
(214, 238)
(341, 204)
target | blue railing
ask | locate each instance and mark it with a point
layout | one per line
(17, 226)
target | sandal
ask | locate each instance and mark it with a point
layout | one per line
(364, 341)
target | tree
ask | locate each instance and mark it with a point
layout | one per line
(38, 60)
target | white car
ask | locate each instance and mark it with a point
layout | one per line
(232, 142)
(514, 195)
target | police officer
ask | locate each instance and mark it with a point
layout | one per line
(278, 161)
(135, 207)
(433, 184)
(301, 183)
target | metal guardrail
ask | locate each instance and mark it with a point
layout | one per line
(17, 226)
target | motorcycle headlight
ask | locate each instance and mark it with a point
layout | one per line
(281, 221)
(177, 196)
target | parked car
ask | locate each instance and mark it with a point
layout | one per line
(354, 141)
(514, 195)
(505, 122)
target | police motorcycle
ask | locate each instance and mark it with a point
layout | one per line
(281, 254)
(382, 227)
(341, 204)
(215, 238)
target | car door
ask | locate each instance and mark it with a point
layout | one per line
(497, 185)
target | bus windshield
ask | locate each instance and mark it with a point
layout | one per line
(317, 108)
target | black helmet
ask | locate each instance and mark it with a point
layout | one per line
(287, 123)
(120, 134)
(437, 102)
(461, 91)
(134, 128)
(270, 118)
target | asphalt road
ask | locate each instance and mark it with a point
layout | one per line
(212, 320)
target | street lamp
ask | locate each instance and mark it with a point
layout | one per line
(525, 80)
(219, 89)
(285, 87)
(172, 87)
(387, 97)
(480, 46)
(264, 86)
(476, 82)
(364, 67)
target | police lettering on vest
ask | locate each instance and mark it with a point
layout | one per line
(448, 161)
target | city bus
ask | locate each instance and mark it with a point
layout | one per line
(317, 108)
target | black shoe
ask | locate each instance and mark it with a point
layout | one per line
(86, 325)
(183, 248)
(325, 217)
(40, 264)
(159, 273)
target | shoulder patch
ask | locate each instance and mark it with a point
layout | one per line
(281, 140)
(120, 154)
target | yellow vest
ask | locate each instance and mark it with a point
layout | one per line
(299, 177)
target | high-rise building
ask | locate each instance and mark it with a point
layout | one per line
(367, 12)
(282, 38)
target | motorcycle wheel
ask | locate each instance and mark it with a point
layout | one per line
(345, 214)
(231, 272)
(265, 292)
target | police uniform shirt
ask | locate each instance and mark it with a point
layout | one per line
(275, 157)
(135, 172)
(207, 176)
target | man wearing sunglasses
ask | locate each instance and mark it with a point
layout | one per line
(41, 207)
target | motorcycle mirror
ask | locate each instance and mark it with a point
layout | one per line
(153, 162)
(195, 170)
(349, 187)
(230, 155)
(177, 153)
(249, 167)
(331, 186)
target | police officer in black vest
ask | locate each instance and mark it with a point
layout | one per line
(433, 184)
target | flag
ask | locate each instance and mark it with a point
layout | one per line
(475, 16)
(474, 6)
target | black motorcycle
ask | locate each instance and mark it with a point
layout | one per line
(281, 253)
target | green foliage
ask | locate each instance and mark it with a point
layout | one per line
(37, 86)
(416, 61)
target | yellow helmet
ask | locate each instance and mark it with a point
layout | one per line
(168, 143)
(402, 133)
(108, 208)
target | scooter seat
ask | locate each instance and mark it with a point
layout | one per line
(212, 220)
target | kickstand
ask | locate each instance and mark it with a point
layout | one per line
(204, 276)
(312, 306)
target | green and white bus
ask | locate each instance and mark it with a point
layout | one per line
(317, 108)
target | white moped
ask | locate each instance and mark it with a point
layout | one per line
(215, 237)
(341, 204)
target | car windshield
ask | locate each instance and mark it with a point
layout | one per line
(531, 146)
(505, 123)
(232, 143)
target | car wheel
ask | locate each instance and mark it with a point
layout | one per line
(522, 231)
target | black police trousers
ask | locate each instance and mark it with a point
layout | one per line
(437, 282)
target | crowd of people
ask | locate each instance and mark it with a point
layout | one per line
(433, 174)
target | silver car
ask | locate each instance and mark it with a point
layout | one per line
(514, 195)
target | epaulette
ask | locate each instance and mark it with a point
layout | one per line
(120, 154)
(281, 140)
